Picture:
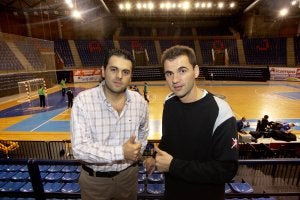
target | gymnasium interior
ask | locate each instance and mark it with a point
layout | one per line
(248, 52)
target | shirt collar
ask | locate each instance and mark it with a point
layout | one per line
(102, 94)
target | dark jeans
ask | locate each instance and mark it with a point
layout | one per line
(42, 101)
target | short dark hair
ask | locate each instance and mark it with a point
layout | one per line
(120, 53)
(179, 50)
(266, 116)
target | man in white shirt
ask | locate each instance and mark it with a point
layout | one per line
(109, 126)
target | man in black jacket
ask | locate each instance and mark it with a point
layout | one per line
(198, 149)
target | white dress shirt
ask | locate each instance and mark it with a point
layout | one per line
(98, 131)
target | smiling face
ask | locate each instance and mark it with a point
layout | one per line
(181, 77)
(117, 74)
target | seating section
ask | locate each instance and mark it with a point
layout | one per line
(93, 52)
(43, 45)
(164, 44)
(147, 74)
(217, 44)
(8, 61)
(34, 178)
(268, 51)
(236, 73)
(140, 45)
(20, 177)
(15, 178)
(60, 178)
(150, 185)
(297, 50)
(62, 48)
(32, 54)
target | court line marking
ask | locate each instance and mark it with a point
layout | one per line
(46, 122)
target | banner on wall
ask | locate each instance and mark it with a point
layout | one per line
(284, 74)
(86, 75)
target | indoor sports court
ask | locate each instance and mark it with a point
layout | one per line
(248, 53)
(27, 121)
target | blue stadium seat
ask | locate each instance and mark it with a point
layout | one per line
(141, 177)
(44, 168)
(13, 168)
(141, 188)
(71, 188)
(70, 176)
(155, 188)
(3, 167)
(43, 175)
(156, 177)
(2, 183)
(68, 168)
(20, 176)
(24, 169)
(54, 176)
(55, 168)
(11, 186)
(6, 175)
(241, 187)
(27, 187)
(53, 187)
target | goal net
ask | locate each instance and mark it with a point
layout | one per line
(28, 89)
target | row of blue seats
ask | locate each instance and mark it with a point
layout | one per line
(39, 169)
(42, 168)
(48, 187)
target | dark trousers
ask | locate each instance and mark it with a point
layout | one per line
(42, 101)
(70, 103)
(146, 96)
(63, 91)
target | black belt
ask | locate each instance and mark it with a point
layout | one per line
(108, 174)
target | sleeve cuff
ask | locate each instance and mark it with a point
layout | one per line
(119, 153)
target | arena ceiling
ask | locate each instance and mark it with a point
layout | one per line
(111, 8)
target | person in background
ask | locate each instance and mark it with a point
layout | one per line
(42, 96)
(241, 124)
(287, 127)
(198, 149)
(135, 88)
(63, 86)
(146, 91)
(109, 130)
(264, 124)
(70, 96)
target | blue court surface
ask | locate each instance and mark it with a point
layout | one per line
(54, 101)
(291, 95)
(41, 117)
